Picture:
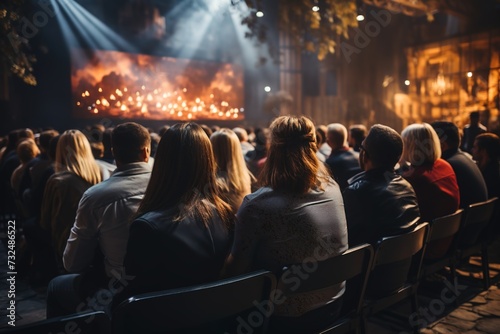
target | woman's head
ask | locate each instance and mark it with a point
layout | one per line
(73, 153)
(292, 164)
(227, 149)
(420, 144)
(184, 173)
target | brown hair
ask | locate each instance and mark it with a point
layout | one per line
(184, 175)
(292, 164)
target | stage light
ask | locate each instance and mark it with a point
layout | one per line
(469, 74)
(315, 9)
(267, 89)
(407, 82)
(360, 17)
(259, 14)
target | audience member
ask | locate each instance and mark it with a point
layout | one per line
(27, 150)
(486, 151)
(255, 159)
(379, 202)
(235, 180)
(98, 240)
(471, 130)
(181, 233)
(298, 210)
(357, 133)
(243, 138)
(432, 178)
(324, 150)
(76, 170)
(343, 161)
(470, 181)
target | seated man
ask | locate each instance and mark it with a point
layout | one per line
(343, 161)
(470, 181)
(486, 151)
(98, 240)
(378, 202)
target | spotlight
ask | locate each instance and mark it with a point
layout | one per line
(259, 14)
(469, 74)
(407, 82)
(360, 17)
(267, 89)
(315, 9)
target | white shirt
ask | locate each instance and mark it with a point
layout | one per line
(103, 218)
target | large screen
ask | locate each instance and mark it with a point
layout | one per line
(138, 86)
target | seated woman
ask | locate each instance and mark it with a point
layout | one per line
(298, 214)
(75, 171)
(235, 181)
(432, 178)
(181, 233)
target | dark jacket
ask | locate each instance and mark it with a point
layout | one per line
(470, 181)
(162, 254)
(379, 203)
(343, 164)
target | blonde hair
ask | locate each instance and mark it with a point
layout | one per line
(27, 150)
(231, 167)
(73, 153)
(420, 144)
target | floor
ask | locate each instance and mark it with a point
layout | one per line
(477, 311)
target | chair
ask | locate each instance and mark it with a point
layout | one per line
(206, 308)
(473, 237)
(353, 267)
(96, 322)
(442, 228)
(395, 271)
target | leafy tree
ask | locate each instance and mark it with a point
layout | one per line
(15, 53)
(314, 25)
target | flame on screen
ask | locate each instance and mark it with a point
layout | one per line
(119, 84)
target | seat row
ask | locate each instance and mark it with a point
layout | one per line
(375, 277)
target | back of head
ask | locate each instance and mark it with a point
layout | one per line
(45, 138)
(241, 134)
(227, 149)
(384, 146)
(74, 154)
(292, 164)
(337, 135)
(421, 144)
(447, 132)
(183, 173)
(322, 130)
(474, 116)
(489, 142)
(358, 132)
(128, 140)
(27, 150)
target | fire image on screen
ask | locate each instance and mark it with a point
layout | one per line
(138, 86)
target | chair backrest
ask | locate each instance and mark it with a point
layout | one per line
(198, 309)
(402, 246)
(445, 226)
(476, 218)
(397, 261)
(84, 323)
(352, 266)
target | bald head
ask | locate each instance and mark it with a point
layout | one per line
(336, 136)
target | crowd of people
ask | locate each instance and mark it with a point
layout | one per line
(123, 211)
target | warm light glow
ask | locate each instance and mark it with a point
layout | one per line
(119, 84)
(469, 74)
(315, 9)
(407, 82)
(267, 89)
(259, 14)
(360, 17)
